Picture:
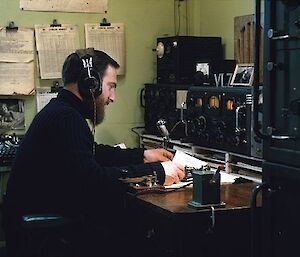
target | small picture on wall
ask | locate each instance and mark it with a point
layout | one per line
(12, 114)
(202, 73)
(243, 75)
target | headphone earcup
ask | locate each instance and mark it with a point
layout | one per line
(89, 83)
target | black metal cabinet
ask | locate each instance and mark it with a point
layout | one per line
(281, 210)
(281, 82)
(281, 127)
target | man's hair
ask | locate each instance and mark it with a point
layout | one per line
(72, 66)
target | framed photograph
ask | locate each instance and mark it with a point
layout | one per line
(243, 75)
(202, 75)
(11, 114)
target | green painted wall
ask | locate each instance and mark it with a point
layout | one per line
(215, 18)
(144, 20)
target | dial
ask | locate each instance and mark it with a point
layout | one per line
(214, 102)
(199, 102)
(229, 105)
(160, 49)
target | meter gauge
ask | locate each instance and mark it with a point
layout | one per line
(199, 102)
(229, 105)
(214, 102)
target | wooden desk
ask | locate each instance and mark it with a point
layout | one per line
(165, 226)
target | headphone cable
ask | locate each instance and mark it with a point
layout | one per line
(94, 120)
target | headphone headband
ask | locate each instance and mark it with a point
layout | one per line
(84, 52)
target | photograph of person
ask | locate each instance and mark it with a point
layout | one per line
(12, 114)
(243, 75)
(202, 73)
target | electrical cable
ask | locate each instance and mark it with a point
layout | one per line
(176, 124)
(186, 18)
(181, 121)
(137, 133)
(174, 17)
(179, 20)
(94, 120)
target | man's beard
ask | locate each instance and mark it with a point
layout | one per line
(100, 110)
(89, 105)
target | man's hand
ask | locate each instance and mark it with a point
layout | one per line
(157, 155)
(174, 172)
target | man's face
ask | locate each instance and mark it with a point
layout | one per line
(108, 95)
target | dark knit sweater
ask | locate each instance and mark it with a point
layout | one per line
(55, 170)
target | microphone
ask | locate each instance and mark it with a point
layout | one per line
(161, 125)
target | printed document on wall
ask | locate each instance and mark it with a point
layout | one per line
(54, 44)
(16, 61)
(43, 97)
(85, 6)
(110, 39)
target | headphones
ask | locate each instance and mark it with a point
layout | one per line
(89, 81)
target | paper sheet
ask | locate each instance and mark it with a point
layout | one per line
(228, 178)
(16, 45)
(22, 81)
(86, 6)
(43, 97)
(110, 39)
(181, 184)
(16, 57)
(188, 160)
(54, 44)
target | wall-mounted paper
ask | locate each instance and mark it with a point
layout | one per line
(16, 61)
(43, 97)
(86, 6)
(54, 44)
(110, 39)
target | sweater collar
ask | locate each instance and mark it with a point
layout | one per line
(81, 106)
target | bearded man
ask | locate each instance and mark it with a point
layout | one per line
(60, 169)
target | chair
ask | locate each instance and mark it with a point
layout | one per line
(41, 235)
(50, 235)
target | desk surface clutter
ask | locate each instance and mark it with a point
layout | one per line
(233, 195)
